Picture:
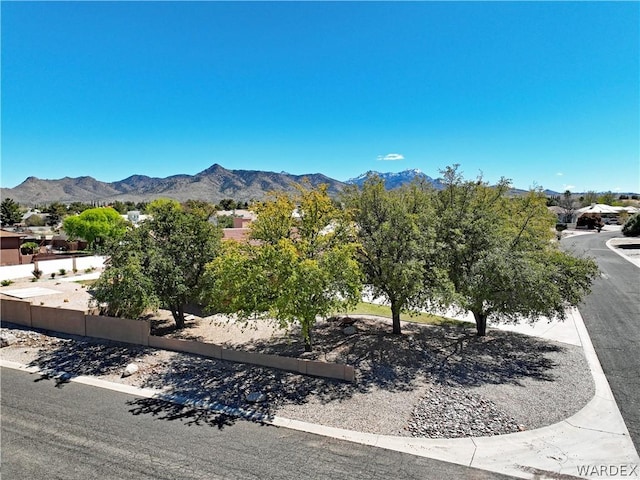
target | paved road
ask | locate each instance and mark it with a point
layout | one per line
(611, 314)
(74, 431)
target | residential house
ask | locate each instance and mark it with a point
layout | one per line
(10, 248)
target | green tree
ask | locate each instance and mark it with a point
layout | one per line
(161, 262)
(95, 225)
(119, 207)
(397, 237)
(225, 221)
(78, 207)
(230, 204)
(200, 207)
(29, 248)
(9, 212)
(300, 264)
(56, 212)
(588, 198)
(631, 227)
(607, 198)
(125, 288)
(34, 220)
(501, 258)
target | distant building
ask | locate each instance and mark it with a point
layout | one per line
(135, 217)
(10, 247)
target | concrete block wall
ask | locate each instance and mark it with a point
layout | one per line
(292, 364)
(58, 320)
(175, 344)
(15, 311)
(118, 329)
(138, 332)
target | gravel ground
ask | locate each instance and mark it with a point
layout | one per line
(430, 382)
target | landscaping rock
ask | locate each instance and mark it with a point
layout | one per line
(7, 339)
(256, 397)
(453, 412)
(130, 370)
(349, 330)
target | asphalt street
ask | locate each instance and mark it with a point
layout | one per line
(611, 314)
(73, 431)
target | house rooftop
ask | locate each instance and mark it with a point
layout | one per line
(5, 234)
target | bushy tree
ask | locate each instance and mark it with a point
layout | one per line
(300, 264)
(9, 212)
(397, 254)
(607, 198)
(34, 220)
(588, 198)
(201, 208)
(78, 207)
(125, 288)
(95, 225)
(230, 204)
(29, 248)
(501, 256)
(631, 227)
(56, 212)
(160, 263)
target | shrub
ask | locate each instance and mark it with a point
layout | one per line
(62, 271)
(37, 273)
(34, 221)
(631, 227)
(53, 275)
(6, 283)
(29, 248)
(561, 226)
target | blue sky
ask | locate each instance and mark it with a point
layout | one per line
(544, 93)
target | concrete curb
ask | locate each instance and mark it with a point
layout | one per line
(610, 246)
(594, 437)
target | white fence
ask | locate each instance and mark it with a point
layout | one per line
(13, 272)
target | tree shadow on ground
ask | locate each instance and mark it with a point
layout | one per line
(450, 354)
(162, 324)
(189, 415)
(447, 355)
(230, 385)
(68, 356)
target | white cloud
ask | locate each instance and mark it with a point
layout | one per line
(569, 187)
(391, 157)
(559, 174)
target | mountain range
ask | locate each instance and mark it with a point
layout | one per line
(212, 185)
(394, 180)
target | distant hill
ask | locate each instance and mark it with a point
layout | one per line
(395, 180)
(212, 185)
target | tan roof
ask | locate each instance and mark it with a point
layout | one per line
(237, 234)
(5, 234)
